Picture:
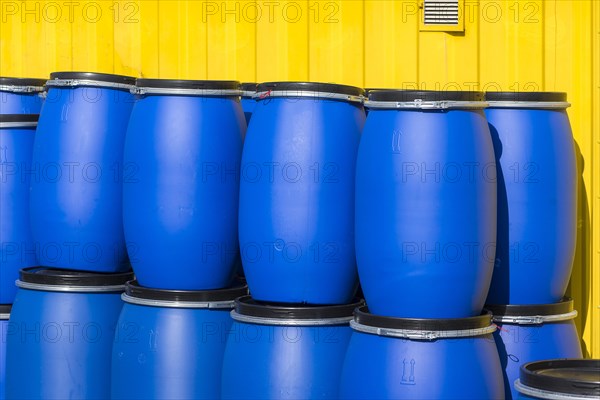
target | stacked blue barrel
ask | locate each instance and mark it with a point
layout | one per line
(180, 212)
(65, 215)
(537, 229)
(296, 232)
(425, 242)
(20, 103)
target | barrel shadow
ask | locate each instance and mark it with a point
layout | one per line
(580, 283)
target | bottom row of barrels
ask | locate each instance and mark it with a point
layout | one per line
(77, 335)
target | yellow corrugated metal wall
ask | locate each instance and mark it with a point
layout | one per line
(507, 45)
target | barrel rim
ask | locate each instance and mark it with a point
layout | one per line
(526, 96)
(134, 290)
(531, 375)
(10, 84)
(248, 88)
(295, 87)
(364, 317)
(565, 306)
(18, 120)
(405, 96)
(50, 276)
(247, 306)
(5, 311)
(92, 76)
(187, 84)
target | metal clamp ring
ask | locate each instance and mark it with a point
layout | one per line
(21, 89)
(534, 319)
(229, 304)
(87, 82)
(420, 335)
(310, 94)
(140, 91)
(289, 322)
(31, 124)
(72, 289)
(549, 105)
(426, 105)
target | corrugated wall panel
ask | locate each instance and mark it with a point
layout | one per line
(507, 45)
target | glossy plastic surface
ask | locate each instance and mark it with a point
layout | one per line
(76, 195)
(537, 205)
(180, 202)
(17, 248)
(297, 200)
(20, 103)
(425, 212)
(59, 345)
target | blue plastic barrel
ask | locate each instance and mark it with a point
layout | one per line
(170, 343)
(425, 204)
(184, 142)
(411, 358)
(297, 193)
(17, 249)
(248, 100)
(537, 197)
(4, 316)
(278, 352)
(566, 379)
(21, 95)
(531, 333)
(61, 334)
(76, 190)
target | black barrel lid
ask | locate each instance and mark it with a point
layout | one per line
(402, 96)
(94, 76)
(18, 117)
(10, 81)
(248, 306)
(362, 316)
(133, 289)
(187, 84)
(248, 86)
(526, 96)
(568, 376)
(64, 277)
(5, 308)
(310, 87)
(529, 310)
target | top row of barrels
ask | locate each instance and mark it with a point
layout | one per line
(433, 198)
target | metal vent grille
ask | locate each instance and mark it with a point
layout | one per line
(440, 12)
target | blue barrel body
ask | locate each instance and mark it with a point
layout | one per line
(170, 344)
(59, 342)
(284, 358)
(554, 336)
(76, 192)
(386, 367)
(17, 249)
(537, 189)
(180, 208)
(4, 315)
(248, 101)
(21, 95)
(296, 213)
(425, 208)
